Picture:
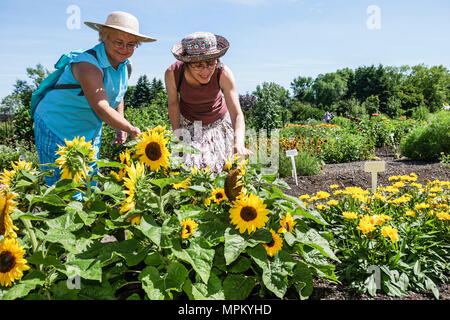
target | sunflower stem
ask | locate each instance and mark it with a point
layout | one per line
(31, 234)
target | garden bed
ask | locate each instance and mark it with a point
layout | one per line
(353, 174)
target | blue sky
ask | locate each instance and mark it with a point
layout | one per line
(271, 40)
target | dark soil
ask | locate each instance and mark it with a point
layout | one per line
(353, 175)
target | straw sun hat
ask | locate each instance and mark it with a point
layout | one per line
(199, 46)
(122, 21)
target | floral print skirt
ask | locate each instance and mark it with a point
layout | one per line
(215, 142)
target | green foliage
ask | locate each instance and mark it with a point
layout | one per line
(420, 113)
(306, 164)
(346, 147)
(372, 104)
(147, 116)
(304, 111)
(271, 98)
(427, 142)
(20, 150)
(23, 125)
(413, 257)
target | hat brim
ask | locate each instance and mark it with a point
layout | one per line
(222, 46)
(96, 26)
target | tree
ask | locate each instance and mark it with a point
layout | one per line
(141, 92)
(302, 88)
(156, 87)
(328, 89)
(267, 112)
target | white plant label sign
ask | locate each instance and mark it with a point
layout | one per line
(374, 167)
(292, 153)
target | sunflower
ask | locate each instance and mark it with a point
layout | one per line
(273, 246)
(12, 262)
(249, 213)
(188, 228)
(287, 224)
(8, 175)
(233, 185)
(152, 150)
(183, 184)
(134, 173)
(74, 158)
(218, 195)
(7, 206)
(124, 159)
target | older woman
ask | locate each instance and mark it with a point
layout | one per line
(93, 87)
(202, 90)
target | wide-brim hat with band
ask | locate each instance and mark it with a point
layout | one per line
(200, 46)
(122, 21)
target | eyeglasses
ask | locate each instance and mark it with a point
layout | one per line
(120, 45)
(208, 65)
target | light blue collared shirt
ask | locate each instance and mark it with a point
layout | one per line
(68, 114)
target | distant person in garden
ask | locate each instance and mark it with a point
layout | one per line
(202, 90)
(93, 87)
(328, 116)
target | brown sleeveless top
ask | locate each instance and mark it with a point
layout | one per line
(205, 103)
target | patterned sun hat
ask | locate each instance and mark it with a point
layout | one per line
(199, 46)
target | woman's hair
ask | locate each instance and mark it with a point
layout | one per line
(103, 33)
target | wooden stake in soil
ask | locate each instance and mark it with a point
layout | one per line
(374, 167)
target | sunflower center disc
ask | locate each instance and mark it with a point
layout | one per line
(219, 196)
(286, 226)
(153, 151)
(271, 243)
(248, 213)
(7, 261)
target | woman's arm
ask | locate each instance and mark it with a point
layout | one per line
(121, 136)
(172, 97)
(227, 83)
(91, 81)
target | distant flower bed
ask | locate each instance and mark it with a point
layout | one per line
(402, 230)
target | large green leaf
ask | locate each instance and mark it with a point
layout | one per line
(107, 163)
(76, 208)
(158, 286)
(199, 255)
(312, 214)
(212, 231)
(22, 287)
(314, 239)
(275, 270)
(127, 250)
(51, 199)
(236, 243)
(302, 280)
(150, 229)
(85, 268)
(238, 286)
(200, 291)
(66, 221)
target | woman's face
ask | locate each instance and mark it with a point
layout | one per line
(119, 46)
(203, 71)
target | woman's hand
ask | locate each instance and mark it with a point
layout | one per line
(134, 132)
(241, 150)
(121, 137)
